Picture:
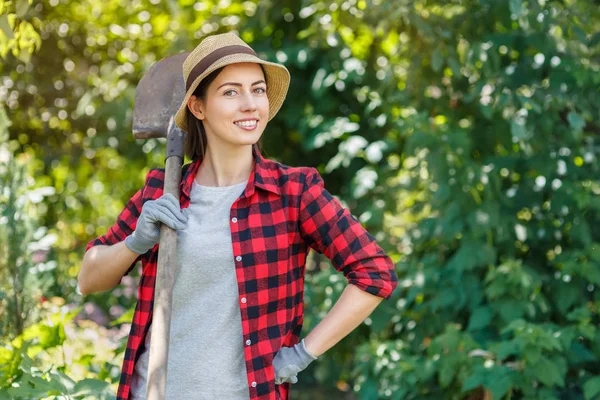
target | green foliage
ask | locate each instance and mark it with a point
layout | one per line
(18, 34)
(462, 134)
(24, 244)
(498, 172)
(22, 377)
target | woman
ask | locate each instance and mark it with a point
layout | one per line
(245, 225)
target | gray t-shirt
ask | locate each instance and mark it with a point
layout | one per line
(206, 351)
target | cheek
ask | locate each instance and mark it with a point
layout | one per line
(223, 114)
(228, 109)
(264, 106)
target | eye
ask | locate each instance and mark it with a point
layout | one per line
(263, 89)
(230, 90)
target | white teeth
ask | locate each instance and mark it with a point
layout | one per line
(246, 123)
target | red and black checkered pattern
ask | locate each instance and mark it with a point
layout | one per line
(282, 213)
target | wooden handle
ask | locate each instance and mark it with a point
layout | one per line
(165, 277)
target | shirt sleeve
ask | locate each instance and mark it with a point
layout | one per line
(124, 226)
(332, 230)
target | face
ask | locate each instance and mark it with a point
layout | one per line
(236, 108)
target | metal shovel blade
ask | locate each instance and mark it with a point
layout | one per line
(158, 96)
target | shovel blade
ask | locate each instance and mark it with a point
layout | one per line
(158, 96)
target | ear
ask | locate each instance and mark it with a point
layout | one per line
(196, 107)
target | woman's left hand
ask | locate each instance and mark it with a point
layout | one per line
(289, 361)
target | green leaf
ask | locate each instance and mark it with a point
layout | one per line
(580, 354)
(447, 370)
(499, 382)
(437, 60)
(441, 195)
(32, 387)
(125, 318)
(380, 319)
(515, 326)
(532, 354)
(506, 349)
(61, 381)
(518, 130)
(480, 318)
(516, 8)
(44, 336)
(576, 122)
(474, 381)
(510, 310)
(580, 33)
(581, 233)
(5, 27)
(22, 7)
(90, 387)
(591, 272)
(487, 111)
(581, 313)
(567, 293)
(368, 390)
(548, 372)
(591, 388)
(472, 254)
(454, 66)
(595, 39)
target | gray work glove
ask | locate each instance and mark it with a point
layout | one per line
(164, 210)
(289, 361)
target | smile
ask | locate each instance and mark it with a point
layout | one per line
(247, 125)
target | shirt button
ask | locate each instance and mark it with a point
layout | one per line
(234, 220)
(238, 258)
(243, 300)
(248, 342)
(253, 384)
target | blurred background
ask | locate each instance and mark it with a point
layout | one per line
(463, 134)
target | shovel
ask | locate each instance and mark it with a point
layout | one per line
(157, 98)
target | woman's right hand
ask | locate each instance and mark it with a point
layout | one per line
(164, 210)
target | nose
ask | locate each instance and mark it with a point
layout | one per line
(249, 102)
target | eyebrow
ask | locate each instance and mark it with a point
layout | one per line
(239, 84)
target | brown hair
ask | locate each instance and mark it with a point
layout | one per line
(196, 142)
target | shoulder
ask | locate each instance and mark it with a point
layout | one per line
(155, 177)
(155, 182)
(297, 177)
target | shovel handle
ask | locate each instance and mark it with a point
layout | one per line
(165, 275)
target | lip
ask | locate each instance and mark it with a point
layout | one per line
(246, 119)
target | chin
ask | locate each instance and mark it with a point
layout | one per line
(248, 140)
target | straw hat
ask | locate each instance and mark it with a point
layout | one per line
(216, 51)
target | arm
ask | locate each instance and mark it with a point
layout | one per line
(103, 267)
(107, 259)
(331, 229)
(136, 231)
(352, 308)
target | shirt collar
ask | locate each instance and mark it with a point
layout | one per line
(260, 176)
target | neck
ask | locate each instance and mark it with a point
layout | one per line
(225, 167)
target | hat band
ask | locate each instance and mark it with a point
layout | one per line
(211, 58)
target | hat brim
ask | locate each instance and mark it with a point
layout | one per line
(277, 77)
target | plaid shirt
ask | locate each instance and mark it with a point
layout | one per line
(282, 213)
